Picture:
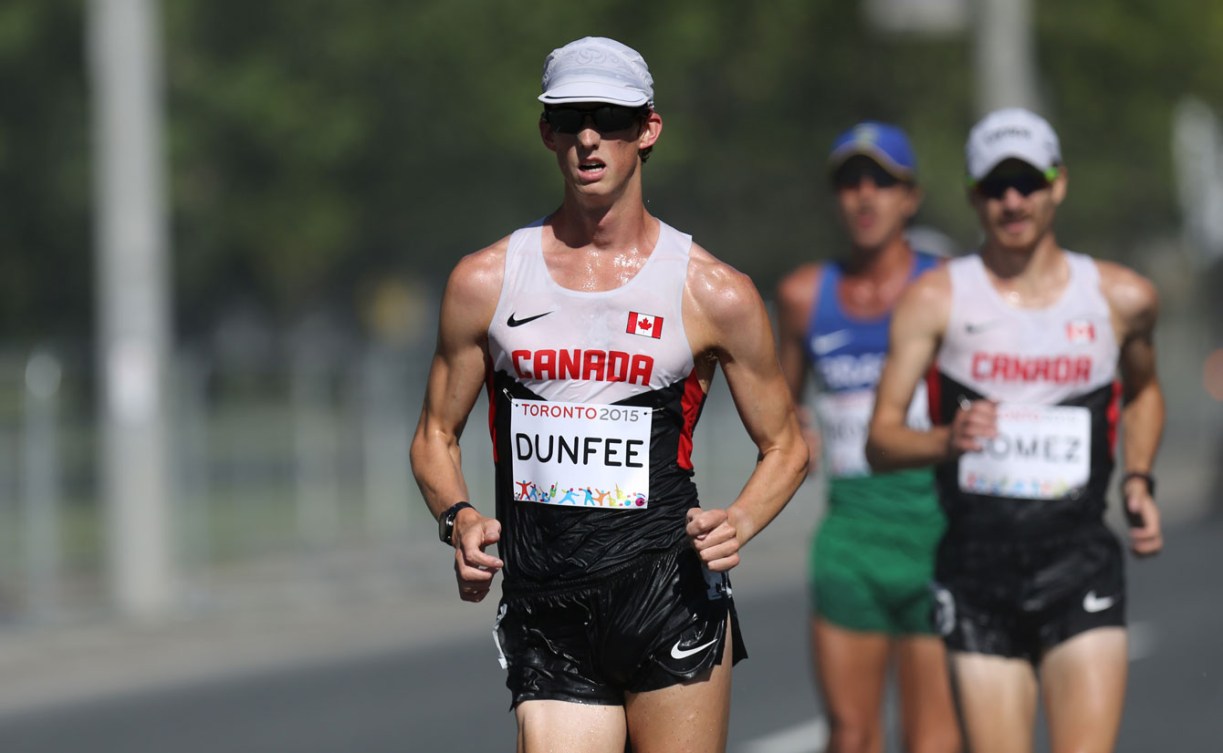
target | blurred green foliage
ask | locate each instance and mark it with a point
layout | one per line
(316, 147)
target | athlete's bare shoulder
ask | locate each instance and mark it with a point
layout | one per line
(935, 280)
(717, 287)
(798, 290)
(926, 302)
(481, 269)
(1132, 297)
(475, 285)
(718, 298)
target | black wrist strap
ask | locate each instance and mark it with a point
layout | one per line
(445, 522)
(454, 509)
(1142, 475)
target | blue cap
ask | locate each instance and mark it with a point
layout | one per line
(886, 144)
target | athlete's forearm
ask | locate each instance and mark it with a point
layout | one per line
(437, 466)
(775, 479)
(437, 461)
(892, 448)
(1142, 422)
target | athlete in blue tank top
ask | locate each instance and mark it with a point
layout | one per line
(872, 557)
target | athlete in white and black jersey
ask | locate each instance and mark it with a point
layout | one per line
(597, 332)
(1039, 353)
(605, 466)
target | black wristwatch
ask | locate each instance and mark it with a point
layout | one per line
(445, 522)
(1148, 478)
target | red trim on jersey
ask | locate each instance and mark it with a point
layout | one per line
(691, 403)
(492, 410)
(933, 393)
(1113, 413)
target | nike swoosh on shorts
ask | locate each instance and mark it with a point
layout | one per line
(684, 653)
(1093, 603)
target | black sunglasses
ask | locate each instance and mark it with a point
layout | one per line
(1026, 183)
(606, 119)
(853, 172)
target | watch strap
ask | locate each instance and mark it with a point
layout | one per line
(445, 522)
(1142, 475)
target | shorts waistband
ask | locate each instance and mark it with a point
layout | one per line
(648, 560)
(1032, 537)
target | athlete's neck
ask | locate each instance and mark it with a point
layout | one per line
(1028, 277)
(613, 229)
(881, 262)
(601, 253)
(601, 215)
(874, 278)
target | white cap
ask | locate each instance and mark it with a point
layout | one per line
(1012, 133)
(597, 69)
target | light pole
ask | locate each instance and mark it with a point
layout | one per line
(1004, 55)
(132, 300)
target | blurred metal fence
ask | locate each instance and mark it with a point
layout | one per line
(291, 471)
(288, 463)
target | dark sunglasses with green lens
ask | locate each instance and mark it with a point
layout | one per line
(1026, 182)
(606, 118)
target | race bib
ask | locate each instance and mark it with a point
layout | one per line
(1041, 452)
(844, 421)
(580, 455)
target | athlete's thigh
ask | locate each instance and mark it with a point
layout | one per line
(926, 704)
(545, 726)
(1083, 683)
(851, 671)
(845, 587)
(691, 717)
(997, 700)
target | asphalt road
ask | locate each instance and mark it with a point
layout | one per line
(448, 695)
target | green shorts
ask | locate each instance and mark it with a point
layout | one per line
(874, 577)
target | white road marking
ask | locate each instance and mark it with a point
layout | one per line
(808, 737)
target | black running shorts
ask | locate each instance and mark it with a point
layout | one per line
(658, 622)
(1019, 599)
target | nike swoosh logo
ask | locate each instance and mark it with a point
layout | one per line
(822, 344)
(976, 328)
(1093, 603)
(684, 653)
(519, 322)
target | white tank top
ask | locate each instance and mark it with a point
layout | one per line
(1037, 356)
(593, 398)
(592, 347)
(1053, 372)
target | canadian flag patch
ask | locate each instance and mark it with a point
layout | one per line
(1080, 331)
(644, 325)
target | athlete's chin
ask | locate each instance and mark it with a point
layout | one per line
(588, 185)
(1015, 238)
(596, 196)
(871, 237)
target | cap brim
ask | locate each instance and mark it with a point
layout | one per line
(842, 155)
(591, 91)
